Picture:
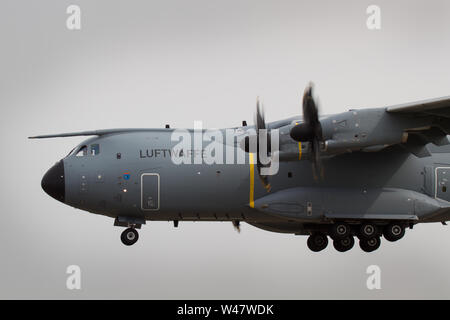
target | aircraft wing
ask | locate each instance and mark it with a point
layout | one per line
(411, 126)
(435, 115)
(101, 132)
(439, 107)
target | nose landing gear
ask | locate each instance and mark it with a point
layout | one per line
(129, 236)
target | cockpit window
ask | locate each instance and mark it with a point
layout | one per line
(71, 152)
(95, 149)
(82, 152)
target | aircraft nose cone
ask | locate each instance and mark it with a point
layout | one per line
(53, 182)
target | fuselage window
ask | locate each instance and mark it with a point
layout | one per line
(95, 149)
(82, 152)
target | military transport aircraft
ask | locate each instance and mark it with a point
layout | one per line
(368, 173)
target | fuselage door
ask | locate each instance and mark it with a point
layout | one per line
(150, 191)
(442, 177)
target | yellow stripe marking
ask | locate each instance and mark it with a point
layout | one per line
(252, 179)
(299, 148)
(299, 151)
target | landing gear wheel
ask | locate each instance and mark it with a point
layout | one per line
(345, 244)
(394, 231)
(370, 245)
(368, 231)
(340, 230)
(129, 236)
(317, 241)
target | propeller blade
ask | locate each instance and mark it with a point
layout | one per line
(261, 124)
(310, 130)
(259, 117)
(310, 110)
(316, 162)
(237, 225)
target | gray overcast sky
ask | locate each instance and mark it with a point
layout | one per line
(148, 63)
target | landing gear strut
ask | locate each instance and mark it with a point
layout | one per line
(129, 236)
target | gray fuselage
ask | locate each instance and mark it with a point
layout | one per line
(132, 176)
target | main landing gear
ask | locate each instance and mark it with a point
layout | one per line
(369, 245)
(394, 231)
(129, 236)
(344, 244)
(368, 233)
(317, 241)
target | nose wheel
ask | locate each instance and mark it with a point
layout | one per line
(129, 236)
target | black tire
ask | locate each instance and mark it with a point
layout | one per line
(317, 241)
(367, 231)
(394, 231)
(370, 245)
(345, 244)
(339, 230)
(129, 236)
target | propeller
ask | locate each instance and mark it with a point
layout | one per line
(310, 130)
(237, 225)
(260, 124)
